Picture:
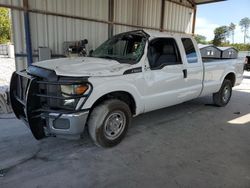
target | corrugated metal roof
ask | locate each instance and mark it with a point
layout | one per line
(52, 31)
(178, 18)
(199, 2)
(227, 48)
(147, 13)
(201, 46)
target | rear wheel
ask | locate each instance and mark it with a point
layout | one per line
(223, 96)
(108, 123)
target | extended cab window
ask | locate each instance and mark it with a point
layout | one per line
(190, 50)
(163, 52)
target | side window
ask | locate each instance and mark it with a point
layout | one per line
(163, 52)
(190, 50)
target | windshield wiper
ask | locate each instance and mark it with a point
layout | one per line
(106, 57)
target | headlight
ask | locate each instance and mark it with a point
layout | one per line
(80, 89)
(73, 89)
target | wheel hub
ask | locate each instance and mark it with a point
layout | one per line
(114, 125)
(226, 94)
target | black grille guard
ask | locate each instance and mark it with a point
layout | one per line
(26, 100)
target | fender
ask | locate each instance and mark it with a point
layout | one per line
(99, 90)
(226, 74)
(223, 76)
(236, 68)
(228, 70)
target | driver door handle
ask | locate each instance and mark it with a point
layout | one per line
(184, 73)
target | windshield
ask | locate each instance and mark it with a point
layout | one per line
(125, 48)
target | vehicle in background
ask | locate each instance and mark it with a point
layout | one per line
(130, 74)
(247, 63)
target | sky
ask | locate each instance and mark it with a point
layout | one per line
(210, 16)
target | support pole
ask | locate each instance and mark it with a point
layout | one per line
(162, 15)
(111, 19)
(194, 20)
(27, 33)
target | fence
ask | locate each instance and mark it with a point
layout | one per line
(4, 49)
(7, 50)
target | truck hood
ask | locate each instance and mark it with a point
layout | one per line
(84, 66)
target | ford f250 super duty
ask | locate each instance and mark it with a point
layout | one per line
(130, 74)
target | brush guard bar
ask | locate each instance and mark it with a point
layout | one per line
(32, 105)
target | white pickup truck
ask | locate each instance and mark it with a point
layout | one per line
(130, 74)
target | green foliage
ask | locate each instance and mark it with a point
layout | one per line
(220, 34)
(200, 39)
(4, 26)
(238, 46)
(245, 24)
(231, 29)
(223, 32)
(241, 47)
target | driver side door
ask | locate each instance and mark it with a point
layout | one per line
(165, 80)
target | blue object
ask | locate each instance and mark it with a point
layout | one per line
(28, 38)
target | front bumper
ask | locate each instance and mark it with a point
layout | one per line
(38, 102)
(66, 124)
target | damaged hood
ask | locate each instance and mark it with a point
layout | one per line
(84, 66)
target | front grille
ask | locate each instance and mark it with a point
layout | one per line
(51, 96)
(35, 94)
(50, 90)
(32, 95)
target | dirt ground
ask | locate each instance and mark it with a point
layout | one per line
(193, 144)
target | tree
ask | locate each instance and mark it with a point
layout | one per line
(4, 26)
(220, 34)
(200, 39)
(245, 24)
(231, 30)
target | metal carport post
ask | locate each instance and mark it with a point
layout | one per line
(27, 32)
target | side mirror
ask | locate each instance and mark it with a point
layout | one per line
(91, 52)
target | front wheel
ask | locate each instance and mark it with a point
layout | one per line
(108, 122)
(223, 96)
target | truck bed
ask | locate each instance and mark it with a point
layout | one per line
(212, 60)
(214, 69)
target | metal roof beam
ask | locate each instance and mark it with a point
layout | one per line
(162, 15)
(192, 2)
(208, 2)
(111, 18)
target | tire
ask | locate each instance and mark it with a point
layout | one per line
(223, 96)
(108, 122)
